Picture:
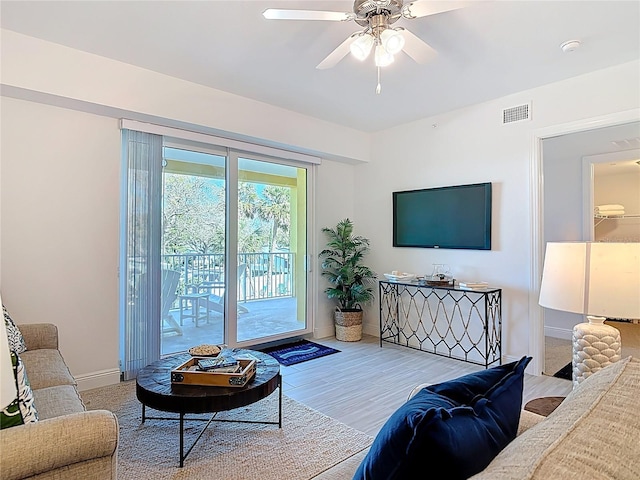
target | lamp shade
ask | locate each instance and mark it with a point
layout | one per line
(382, 57)
(592, 278)
(8, 390)
(392, 41)
(361, 46)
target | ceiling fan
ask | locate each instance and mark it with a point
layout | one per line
(377, 16)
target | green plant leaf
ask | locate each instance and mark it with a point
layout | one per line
(351, 281)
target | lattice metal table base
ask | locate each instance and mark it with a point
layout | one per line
(455, 323)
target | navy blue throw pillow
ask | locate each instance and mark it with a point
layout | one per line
(460, 425)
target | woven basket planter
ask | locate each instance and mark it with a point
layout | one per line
(348, 325)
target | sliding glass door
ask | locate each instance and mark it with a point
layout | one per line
(234, 227)
(271, 249)
(193, 245)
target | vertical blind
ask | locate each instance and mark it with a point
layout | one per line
(141, 242)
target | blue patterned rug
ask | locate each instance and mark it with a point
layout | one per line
(298, 352)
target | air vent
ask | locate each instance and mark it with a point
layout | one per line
(516, 114)
(627, 143)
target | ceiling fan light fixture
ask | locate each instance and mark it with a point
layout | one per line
(392, 41)
(361, 46)
(382, 57)
(377, 18)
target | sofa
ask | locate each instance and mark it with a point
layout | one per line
(67, 442)
(593, 434)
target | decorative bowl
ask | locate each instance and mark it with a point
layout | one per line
(205, 350)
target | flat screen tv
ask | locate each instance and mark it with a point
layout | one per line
(457, 216)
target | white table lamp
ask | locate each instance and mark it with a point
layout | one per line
(8, 390)
(599, 280)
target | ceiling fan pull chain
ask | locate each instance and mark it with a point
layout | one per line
(378, 87)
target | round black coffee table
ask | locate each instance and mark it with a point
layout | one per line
(155, 390)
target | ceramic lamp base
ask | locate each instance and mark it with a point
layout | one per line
(595, 345)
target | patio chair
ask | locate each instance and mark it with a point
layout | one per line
(216, 302)
(170, 279)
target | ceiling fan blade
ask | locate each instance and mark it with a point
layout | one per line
(416, 48)
(423, 8)
(338, 54)
(279, 14)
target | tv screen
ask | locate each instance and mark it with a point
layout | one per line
(446, 217)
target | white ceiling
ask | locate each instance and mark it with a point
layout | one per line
(485, 51)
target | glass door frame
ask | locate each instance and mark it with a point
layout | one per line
(231, 251)
(232, 157)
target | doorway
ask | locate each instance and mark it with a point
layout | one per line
(565, 214)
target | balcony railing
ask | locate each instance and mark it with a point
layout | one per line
(267, 275)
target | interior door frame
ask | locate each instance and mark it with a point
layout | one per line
(536, 314)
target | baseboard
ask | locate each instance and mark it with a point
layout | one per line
(98, 379)
(557, 332)
(330, 331)
(508, 359)
(369, 329)
(324, 332)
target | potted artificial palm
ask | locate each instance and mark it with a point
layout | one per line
(351, 281)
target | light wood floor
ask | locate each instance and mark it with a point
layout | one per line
(364, 384)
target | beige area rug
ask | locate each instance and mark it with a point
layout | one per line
(558, 352)
(629, 336)
(308, 443)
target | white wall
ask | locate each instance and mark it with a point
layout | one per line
(335, 200)
(72, 77)
(60, 199)
(60, 183)
(470, 146)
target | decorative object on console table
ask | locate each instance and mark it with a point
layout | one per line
(440, 277)
(473, 285)
(351, 282)
(398, 276)
(599, 280)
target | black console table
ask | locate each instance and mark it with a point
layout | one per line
(448, 321)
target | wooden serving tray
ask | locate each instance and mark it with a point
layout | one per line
(182, 375)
